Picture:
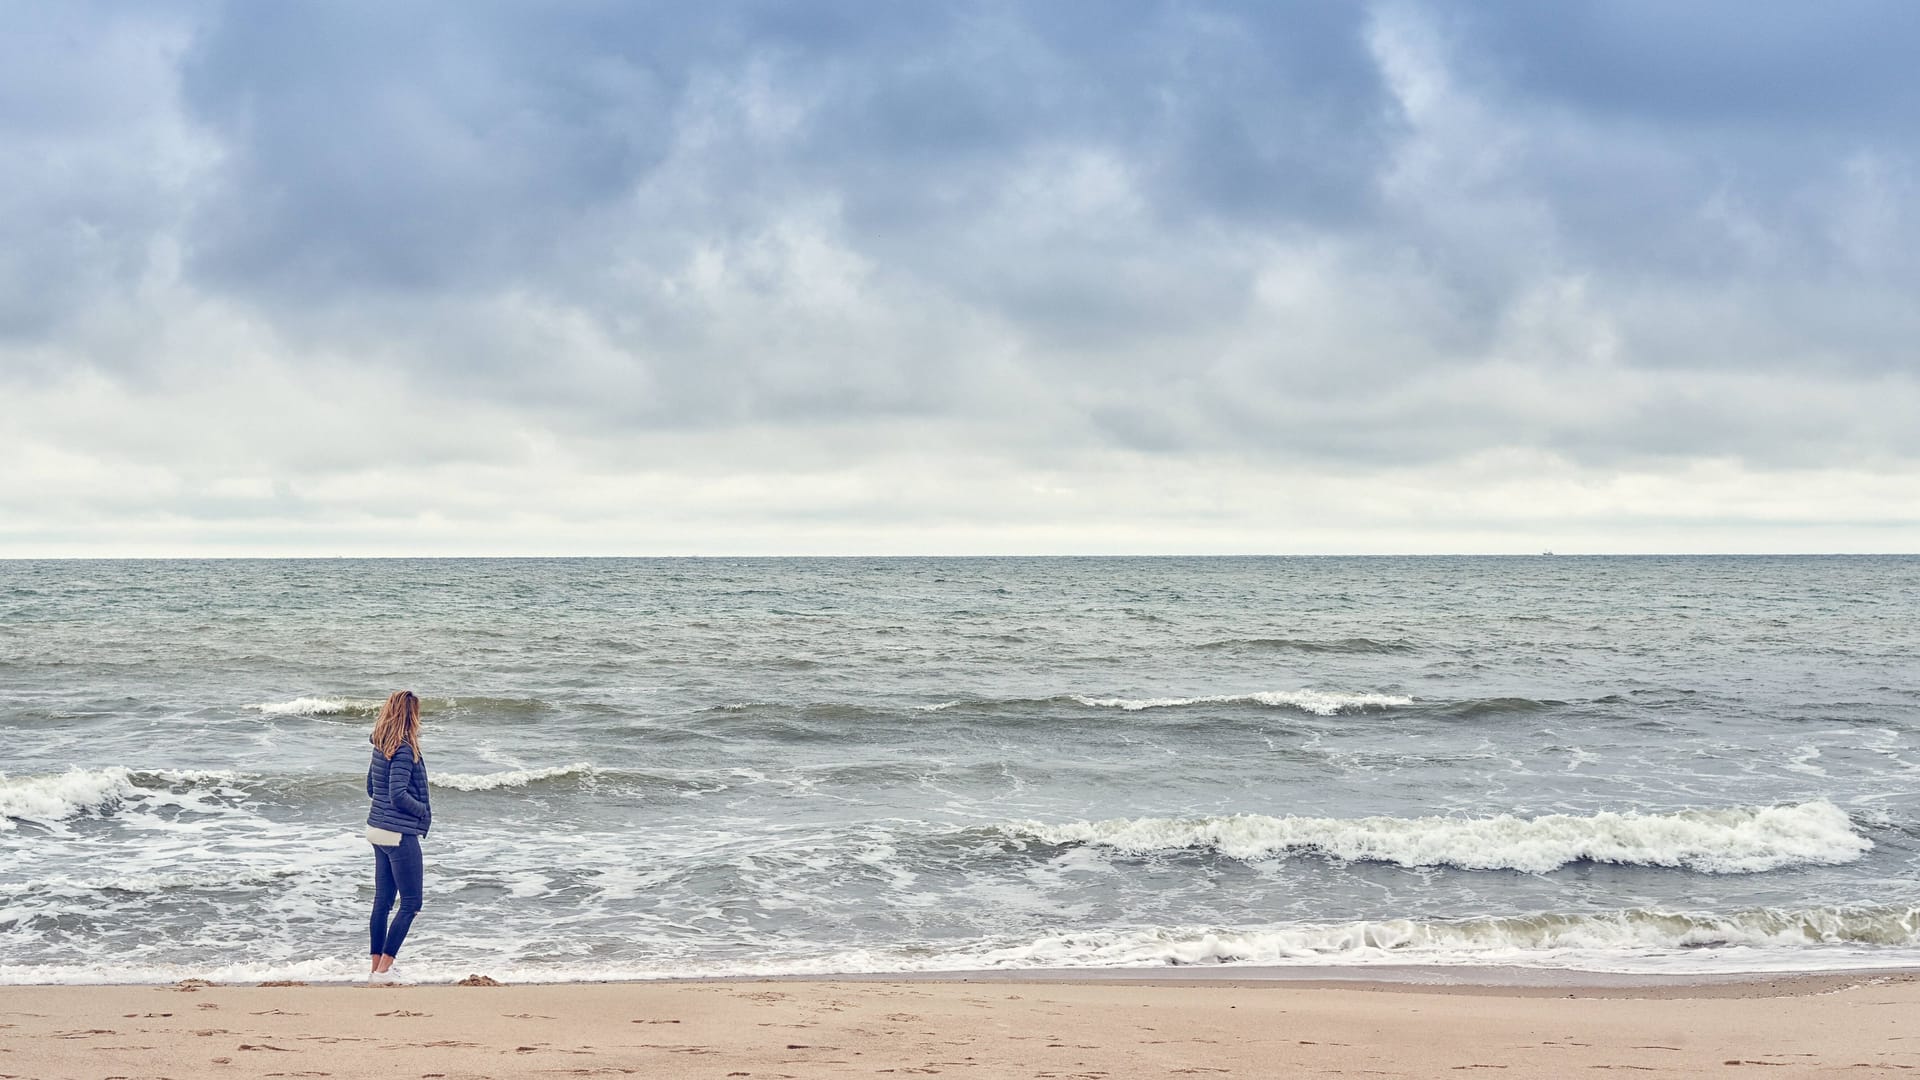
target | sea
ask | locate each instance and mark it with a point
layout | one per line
(647, 768)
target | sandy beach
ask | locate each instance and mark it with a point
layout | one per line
(1095, 1030)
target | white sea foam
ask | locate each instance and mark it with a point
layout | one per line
(54, 798)
(315, 706)
(1319, 702)
(1727, 841)
(225, 877)
(511, 778)
(47, 799)
(1637, 940)
(1619, 936)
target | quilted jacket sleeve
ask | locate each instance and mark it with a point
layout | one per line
(400, 783)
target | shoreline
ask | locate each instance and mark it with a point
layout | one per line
(1810, 1024)
(1384, 977)
(1492, 979)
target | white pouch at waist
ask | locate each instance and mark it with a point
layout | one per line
(382, 837)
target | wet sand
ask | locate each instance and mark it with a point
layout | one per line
(1062, 1025)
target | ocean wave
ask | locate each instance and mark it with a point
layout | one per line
(53, 798)
(1474, 708)
(1318, 702)
(1358, 645)
(326, 705)
(318, 706)
(47, 799)
(1505, 939)
(1646, 940)
(811, 710)
(512, 778)
(808, 721)
(224, 879)
(1728, 841)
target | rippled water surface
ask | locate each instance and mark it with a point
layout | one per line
(647, 767)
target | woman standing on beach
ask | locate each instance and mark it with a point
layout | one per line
(397, 784)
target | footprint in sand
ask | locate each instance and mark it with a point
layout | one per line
(551, 1050)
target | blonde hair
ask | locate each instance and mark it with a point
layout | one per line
(399, 723)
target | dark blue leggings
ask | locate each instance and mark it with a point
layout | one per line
(395, 870)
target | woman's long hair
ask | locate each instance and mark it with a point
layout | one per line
(399, 723)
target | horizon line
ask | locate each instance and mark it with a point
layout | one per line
(996, 555)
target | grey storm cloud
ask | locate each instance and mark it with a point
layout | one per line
(1334, 235)
(384, 146)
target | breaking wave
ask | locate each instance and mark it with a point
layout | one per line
(77, 792)
(1635, 932)
(321, 705)
(1639, 939)
(513, 778)
(318, 706)
(1741, 840)
(1318, 702)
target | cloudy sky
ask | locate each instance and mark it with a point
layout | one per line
(819, 277)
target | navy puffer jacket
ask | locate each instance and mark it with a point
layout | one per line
(398, 788)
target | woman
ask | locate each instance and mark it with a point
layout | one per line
(397, 784)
